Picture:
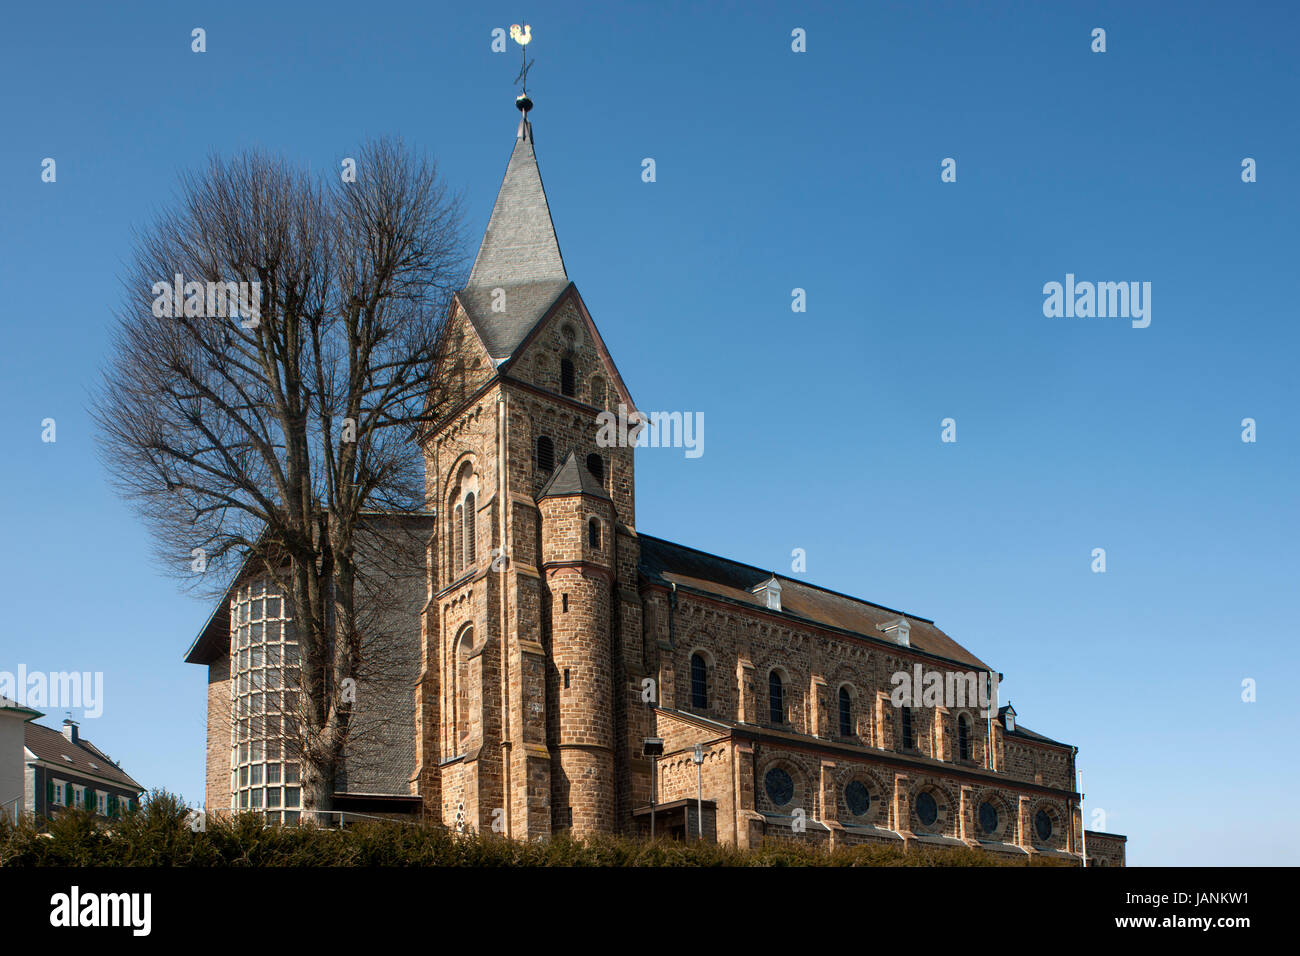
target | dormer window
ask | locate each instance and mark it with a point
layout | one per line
(1008, 714)
(900, 631)
(769, 592)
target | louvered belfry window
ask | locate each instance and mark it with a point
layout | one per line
(566, 378)
(458, 539)
(545, 455)
(470, 515)
(846, 713)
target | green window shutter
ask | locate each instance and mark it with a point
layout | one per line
(90, 799)
(112, 804)
(67, 794)
(49, 790)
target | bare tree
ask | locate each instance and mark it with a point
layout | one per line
(263, 433)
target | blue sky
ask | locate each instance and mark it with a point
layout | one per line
(775, 170)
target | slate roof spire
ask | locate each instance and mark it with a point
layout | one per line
(519, 255)
(572, 479)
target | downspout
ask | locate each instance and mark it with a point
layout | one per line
(654, 783)
(672, 604)
(1083, 824)
(988, 721)
(505, 611)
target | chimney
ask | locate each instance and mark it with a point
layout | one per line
(70, 731)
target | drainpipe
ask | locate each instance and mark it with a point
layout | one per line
(672, 604)
(1083, 824)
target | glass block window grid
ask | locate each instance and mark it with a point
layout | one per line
(264, 777)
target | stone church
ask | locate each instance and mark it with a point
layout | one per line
(554, 668)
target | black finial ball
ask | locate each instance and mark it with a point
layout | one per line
(523, 103)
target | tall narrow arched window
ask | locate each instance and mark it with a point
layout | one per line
(775, 698)
(458, 540)
(471, 553)
(567, 386)
(545, 455)
(963, 737)
(846, 713)
(463, 647)
(596, 466)
(905, 723)
(593, 533)
(699, 682)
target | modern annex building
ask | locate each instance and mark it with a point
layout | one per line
(555, 668)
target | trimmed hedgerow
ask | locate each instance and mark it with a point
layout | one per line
(158, 834)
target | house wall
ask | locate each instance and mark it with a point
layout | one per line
(13, 800)
(37, 776)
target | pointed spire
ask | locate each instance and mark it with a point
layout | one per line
(520, 243)
(519, 255)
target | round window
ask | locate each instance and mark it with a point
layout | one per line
(780, 787)
(1043, 824)
(857, 797)
(927, 811)
(988, 818)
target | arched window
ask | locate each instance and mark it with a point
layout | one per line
(846, 713)
(905, 721)
(463, 646)
(963, 737)
(566, 378)
(596, 465)
(545, 455)
(471, 553)
(593, 533)
(699, 682)
(458, 540)
(775, 698)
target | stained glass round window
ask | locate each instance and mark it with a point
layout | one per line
(1043, 824)
(857, 797)
(780, 788)
(927, 811)
(988, 817)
